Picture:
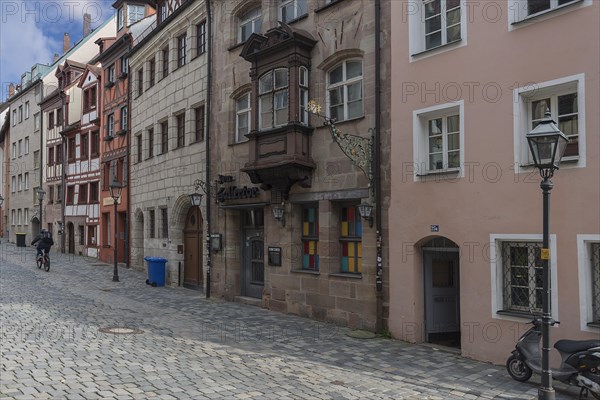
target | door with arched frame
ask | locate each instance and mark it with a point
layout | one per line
(193, 276)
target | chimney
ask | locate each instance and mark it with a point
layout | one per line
(56, 57)
(11, 90)
(87, 24)
(66, 42)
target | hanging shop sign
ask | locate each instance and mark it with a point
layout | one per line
(237, 193)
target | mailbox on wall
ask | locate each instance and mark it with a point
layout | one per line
(275, 256)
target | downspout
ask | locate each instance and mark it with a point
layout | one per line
(127, 159)
(377, 161)
(207, 143)
(63, 174)
(42, 149)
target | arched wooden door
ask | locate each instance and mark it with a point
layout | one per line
(193, 276)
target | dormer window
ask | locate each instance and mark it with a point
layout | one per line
(273, 99)
(134, 13)
(120, 19)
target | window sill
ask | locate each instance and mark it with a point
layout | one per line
(123, 75)
(293, 21)
(237, 143)
(533, 17)
(517, 314)
(433, 49)
(346, 275)
(237, 45)
(440, 172)
(305, 271)
(326, 6)
(108, 138)
(594, 325)
(122, 132)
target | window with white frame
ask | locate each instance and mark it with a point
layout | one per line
(290, 10)
(26, 179)
(19, 216)
(517, 282)
(344, 90)
(111, 74)
(13, 217)
(14, 184)
(27, 145)
(438, 139)
(242, 119)
(303, 94)
(20, 180)
(435, 23)
(14, 150)
(36, 121)
(110, 125)
(595, 273)
(134, 13)
(519, 10)
(124, 119)
(20, 147)
(27, 110)
(273, 99)
(25, 216)
(14, 120)
(249, 23)
(564, 100)
(120, 18)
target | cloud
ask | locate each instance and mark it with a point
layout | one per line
(31, 31)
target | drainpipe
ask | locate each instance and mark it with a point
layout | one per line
(42, 150)
(377, 161)
(127, 159)
(207, 142)
(63, 174)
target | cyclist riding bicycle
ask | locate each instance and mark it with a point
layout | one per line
(44, 242)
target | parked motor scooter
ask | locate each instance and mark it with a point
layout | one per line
(580, 360)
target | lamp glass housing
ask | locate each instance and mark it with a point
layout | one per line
(365, 210)
(196, 199)
(40, 194)
(547, 144)
(115, 190)
(278, 213)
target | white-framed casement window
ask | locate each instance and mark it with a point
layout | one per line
(27, 145)
(345, 90)
(303, 94)
(26, 178)
(26, 216)
(124, 118)
(120, 18)
(290, 10)
(134, 13)
(14, 119)
(588, 259)
(111, 74)
(242, 117)
(13, 217)
(249, 23)
(438, 140)
(434, 24)
(27, 110)
(521, 10)
(110, 125)
(14, 150)
(564, 98)
(273, 99)
(516, 275)
(36, 121)
(13, 184)
(20, 182)
(19, 216)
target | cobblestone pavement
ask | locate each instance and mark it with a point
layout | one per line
(188, 347)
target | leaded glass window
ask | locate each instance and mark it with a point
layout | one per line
(310, 238)
(350, 239)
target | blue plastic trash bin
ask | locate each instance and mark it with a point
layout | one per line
(156, 271)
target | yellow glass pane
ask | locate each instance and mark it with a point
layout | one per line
(359, 248)
(344, 229)
(350, 250)
(359, 263)
(311, 247)
(305, 229)
(351, 264)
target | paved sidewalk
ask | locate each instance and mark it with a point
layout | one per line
(53, 346)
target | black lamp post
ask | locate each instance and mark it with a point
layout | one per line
(115, 192)
(1, 201)
(547, 144)
(41, 194)
(196, 199)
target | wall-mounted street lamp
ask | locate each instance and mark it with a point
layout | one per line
(365, 210)
(547, 144)
(41, 194)
(279, 214)
(196, 198)
(115, 192)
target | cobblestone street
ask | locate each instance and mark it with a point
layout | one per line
(186, 347)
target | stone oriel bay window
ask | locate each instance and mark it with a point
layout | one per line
(279, 131)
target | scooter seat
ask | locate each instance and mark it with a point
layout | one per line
(573, 346)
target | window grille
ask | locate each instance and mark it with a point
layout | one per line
(522, 276)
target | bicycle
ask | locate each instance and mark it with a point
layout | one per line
(43, 260)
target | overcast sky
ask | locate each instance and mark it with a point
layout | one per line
(31, 31)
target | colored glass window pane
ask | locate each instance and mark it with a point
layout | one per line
(310, 238)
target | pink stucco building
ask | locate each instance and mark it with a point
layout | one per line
(469, 80)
